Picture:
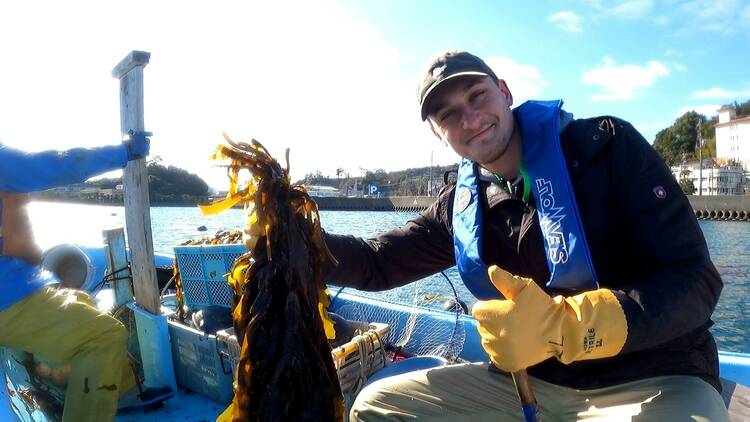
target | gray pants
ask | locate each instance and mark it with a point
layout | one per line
(470, 392)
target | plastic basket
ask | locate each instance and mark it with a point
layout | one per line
(354, 361)
(197, 363)
(204, 269)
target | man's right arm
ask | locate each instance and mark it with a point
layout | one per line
(422, 247)
(18, 240)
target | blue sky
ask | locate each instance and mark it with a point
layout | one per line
(645, 61)
(335, 80)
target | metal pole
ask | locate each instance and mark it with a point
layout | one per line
(429, 183)
(700, 157)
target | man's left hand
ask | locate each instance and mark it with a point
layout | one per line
(529, 326)
(137, 144)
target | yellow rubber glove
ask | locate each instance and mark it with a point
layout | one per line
(530, 327)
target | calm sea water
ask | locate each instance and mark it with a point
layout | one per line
(729, 243)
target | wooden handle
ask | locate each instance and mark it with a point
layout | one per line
(526, 396)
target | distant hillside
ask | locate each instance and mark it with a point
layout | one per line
(409, 182)
(166, 184)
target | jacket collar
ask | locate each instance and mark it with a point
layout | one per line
(581, 141)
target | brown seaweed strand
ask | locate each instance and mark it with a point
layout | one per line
(285, 371)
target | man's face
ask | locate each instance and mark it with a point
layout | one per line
(472, 114)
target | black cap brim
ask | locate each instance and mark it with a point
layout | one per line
(431, 89)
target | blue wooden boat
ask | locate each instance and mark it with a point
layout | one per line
(421, 324)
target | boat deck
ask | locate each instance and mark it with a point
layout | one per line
(186, 406)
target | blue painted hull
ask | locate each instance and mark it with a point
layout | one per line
(733, 366)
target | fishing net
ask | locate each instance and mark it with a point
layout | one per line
(425, 317)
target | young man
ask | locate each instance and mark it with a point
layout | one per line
(62, 325)
(607, 292)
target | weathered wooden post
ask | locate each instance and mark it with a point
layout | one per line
(135, 183)
(117, 259)
(153, 334)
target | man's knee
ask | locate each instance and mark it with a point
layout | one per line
(381, 400)
(365, 406)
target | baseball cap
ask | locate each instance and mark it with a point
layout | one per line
(446, 66)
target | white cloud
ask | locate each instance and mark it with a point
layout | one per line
(705, 109)
(525, 81)
(633, 9)
(680, 67)
(316, 80)
(623, 9)
(711, 9)
(623, 82)
(720, 93)
(567, 21)
(721, 16)
(687, 16)
(595, 4)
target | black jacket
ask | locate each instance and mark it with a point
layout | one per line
(645, 243)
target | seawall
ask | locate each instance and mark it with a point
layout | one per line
(394, 203)
(704, 207)
(721, 207)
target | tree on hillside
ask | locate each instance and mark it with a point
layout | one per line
(686, 184)
(378, 177)
(679, 141)
(173, 184)
(106, 183)
(742, 109)
(165, 184)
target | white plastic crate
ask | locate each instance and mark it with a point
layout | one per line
(197, 363)
(203, 270)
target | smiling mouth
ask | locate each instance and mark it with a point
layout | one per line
(480, 133)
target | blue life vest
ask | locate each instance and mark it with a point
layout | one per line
(567, 252)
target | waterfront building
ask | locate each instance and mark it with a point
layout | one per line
(733, 138)
(323, 191)
(718, 179)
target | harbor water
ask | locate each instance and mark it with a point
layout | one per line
(728, 241)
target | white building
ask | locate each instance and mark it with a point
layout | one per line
(323, 191)
(717, 180)
(733, 138)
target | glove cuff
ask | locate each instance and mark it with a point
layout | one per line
(595, 325)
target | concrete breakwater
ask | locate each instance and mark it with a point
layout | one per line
(394, 203)
(704, 207)
(721, 207)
